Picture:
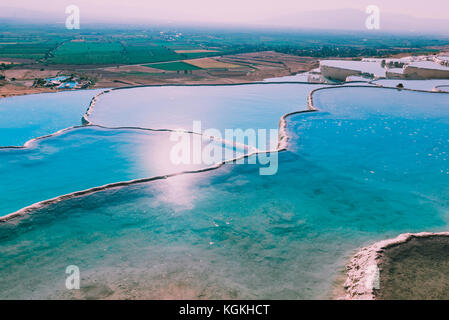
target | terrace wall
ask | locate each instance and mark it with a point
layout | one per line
(338, 73)
(394, 75)
(421, 73)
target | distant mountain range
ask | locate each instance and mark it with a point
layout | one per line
(352, 19)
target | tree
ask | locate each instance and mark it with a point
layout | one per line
(39, 82)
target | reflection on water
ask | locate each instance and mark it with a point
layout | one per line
(88, 157)
(257, 106)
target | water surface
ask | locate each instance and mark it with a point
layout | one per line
(257, 106)
(371, 164)
(26, 117)
(89, 157)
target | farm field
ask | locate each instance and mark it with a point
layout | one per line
(173, 66)
(208, 63)
(195, 51)
(92, 46)
(25, 50)
(83, 52)
(193, 54)
(113, 57)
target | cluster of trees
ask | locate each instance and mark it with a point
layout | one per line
(185, 71)
(319, 51)
(368, 75)
(338, 51)
(4, 66)
(85, 80)
(39, 82)
(392, 64)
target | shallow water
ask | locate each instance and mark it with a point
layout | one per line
(370, 165)
(257, 106)
(428, 85)
(27, 117)
(444, 88)
(88, 157)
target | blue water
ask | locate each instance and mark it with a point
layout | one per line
(413, 84)
(60, 78)
(83, 158)
(26, 117)
(250, 106)
(371, 164)
(68, 85)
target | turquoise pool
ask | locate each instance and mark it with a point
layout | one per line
(370, 164)
(87, 157)
(31, 116)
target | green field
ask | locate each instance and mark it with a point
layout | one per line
(26, 50)
(113, 46)
(147, 52)
(87, 53)
(98, 52)
(195, 55)
(173, 66)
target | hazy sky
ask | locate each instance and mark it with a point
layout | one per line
(227, 11)
(395, 15)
